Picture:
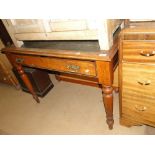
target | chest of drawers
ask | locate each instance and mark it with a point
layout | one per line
(137, 75)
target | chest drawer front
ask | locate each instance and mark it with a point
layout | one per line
(138, 51)
(138, 91)
(62, 65)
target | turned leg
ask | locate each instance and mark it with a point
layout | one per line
(108, 103)
(105, 77)
(27, 82)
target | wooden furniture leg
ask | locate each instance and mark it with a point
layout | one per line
(27, 82)
(105, 76)
(108, 104)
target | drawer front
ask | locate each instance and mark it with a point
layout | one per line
(138, 51)
(62, 65)
(138, 92)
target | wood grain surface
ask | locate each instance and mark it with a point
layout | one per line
(136, 74)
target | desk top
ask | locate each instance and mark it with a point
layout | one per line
(74, 45)
(86, 51)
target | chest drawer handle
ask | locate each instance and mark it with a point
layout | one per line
(147, 54)
(140, 108)
(147, 82)
(19, 60)
(73, 68)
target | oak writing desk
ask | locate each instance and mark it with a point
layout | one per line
(86, 60)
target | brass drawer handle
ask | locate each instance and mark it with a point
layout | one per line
(148, 54)
(19, 60)
(140, 108)
(73, 68)
(147, 82)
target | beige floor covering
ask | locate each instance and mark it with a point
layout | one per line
(67, 109)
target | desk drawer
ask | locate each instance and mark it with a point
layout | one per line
(138, 51)
(138, 92)
(57, 64)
